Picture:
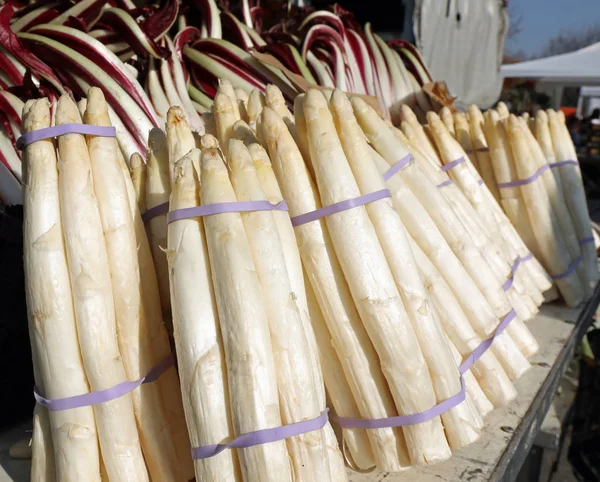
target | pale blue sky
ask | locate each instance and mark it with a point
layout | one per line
(542, 19)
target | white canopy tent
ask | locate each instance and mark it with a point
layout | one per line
(581, 67)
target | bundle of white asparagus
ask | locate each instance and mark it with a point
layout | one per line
(95, 319)
(530, 167)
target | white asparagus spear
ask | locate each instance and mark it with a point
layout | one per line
(556, 197)
(158, 189)
(459, 423)
(93, 302)
(138, 177)
(349, 338)
(463, 137)
(225, 118)
(43, 467)
(377, 299)
(491, 376)
(168, 382)
(544, 223)
(574, 193)
(392, 150)
(511, 199)
(339, 390)
(244, 327)
(266, 176)
(242, 96)
(244, 132)
(502, 110)
(424, 141)
(58, 368)
(196, 328)
(449, 120)
(298, 395)
(133, 332)
(180, 138)
(427, 236)
(256, 102)
(226, 87)
(301, 137)
(484, 161)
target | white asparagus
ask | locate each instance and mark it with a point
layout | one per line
(502, 110)
(459, 423)
(550, 240)
(43, 467)
(491, 376)
(180, 138)
(138, 177)
(226, 87)
(196, 328)
(463, 136)
(256, 102)
(254, 403)
(480, 144)
(225, 118)
(449, 120)
(574, 193)
(349, 338)
(377, 300)
(133, 330)
(298, 397)
(244, 132)
(427, 236)
(301, 137)
(266, 176)
(50, 309)
(93, 302)
(339, 390)
(168, 382)
(158, 189)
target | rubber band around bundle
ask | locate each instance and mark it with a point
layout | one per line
(396, 167)
(538, 173)
(569, 270)
(453, 164)
(106, 395)
(56, 131)
(586, 240)
(225, 207)
(442, 407)
(513, 269)
(155, 211)
(340, 206)
(263, 436)
(447, 182)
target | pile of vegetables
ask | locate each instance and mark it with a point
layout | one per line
(148, 58)
(531, 169)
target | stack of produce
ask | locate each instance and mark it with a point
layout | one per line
(172, 53)
(93, 308)
(529, 167)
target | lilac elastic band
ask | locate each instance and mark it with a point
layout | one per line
(226, 207)
(586, 240)
(453, 164)
(107, 395)
(155, 211)
(263, 436)
(396, 167)
(480, 181)
(341, 206)
(447, 182)
(412, 419)
(528, 180)
(513, 270)
(569, 270)
(569, 162)
(55, 131)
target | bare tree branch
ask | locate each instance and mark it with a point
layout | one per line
(569, 41)
(515, 25)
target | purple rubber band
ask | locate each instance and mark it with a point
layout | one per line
(513, 270)
(155, 211)
(106, 395)
(485, 344)
(569, 270)
(226, 207)
(396, 167)
(527, 257)
(447, 182)
(564, 163)
(528, 180)
(440, 408)
(453, 164)
(263, 436)
(341, 206)
(480, 182)
(55, 131)
(586, 240)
